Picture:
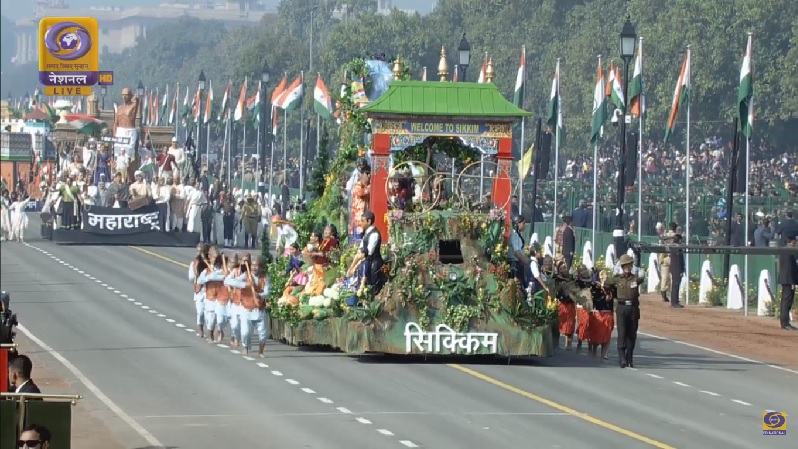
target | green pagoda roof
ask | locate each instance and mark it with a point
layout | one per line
(436, 98)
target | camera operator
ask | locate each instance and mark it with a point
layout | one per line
(8, 320)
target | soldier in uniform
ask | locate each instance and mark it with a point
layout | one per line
(250, 213)
(626, 281)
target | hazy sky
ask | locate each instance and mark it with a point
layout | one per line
(20, 9)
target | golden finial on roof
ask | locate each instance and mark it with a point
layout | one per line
(489, 74)
(397, 69)
(443, 66)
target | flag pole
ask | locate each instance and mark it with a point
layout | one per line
(302, 138)
(594, 218)
(687, 182)
(271, 157)
(243, 152)
(556, 153)
(521, 176)
(229, 152)
(642, 105)
(748, 175)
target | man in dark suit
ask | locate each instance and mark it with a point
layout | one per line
(676, 268)
(738, 230)
(568, 241)
(787, 228)
(788, 279)
(19, 371)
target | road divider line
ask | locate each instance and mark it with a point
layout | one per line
(737, 401)
(711, 393)
(146, 435)
(308, 391)
(385, 432)
(363, 421)
(563, 408)
(344, 410)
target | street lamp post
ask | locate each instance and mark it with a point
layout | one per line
(628, 42)
(265, 119)
(140, 95)
(103, 93)
(464, 56)
(201, 89)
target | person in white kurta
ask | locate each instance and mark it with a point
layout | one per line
(177, 204)
(286, 235)
(195, 199)
(19, 219)
(180, 158)
(162, 194)
(5, 217)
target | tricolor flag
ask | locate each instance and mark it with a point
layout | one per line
(555, 105)
(745, 94)
(238, 114)
(252, 104)
(145, 110)
(637, 96)
(681, 95)
(520, 81)
(173, 110)
(186, 106)
(615, 88)
(196, 105)
(292, 96)
(209, 103)
(322, 101)
(278, 91)
(599, 105)
(483, 70)
(224, 113)
(164, 113)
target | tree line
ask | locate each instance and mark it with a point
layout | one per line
(573, 31)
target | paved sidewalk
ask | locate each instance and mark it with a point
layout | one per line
(759, 338)
(88, 430)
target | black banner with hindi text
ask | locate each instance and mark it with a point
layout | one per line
(118, 221)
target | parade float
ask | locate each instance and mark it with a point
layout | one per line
(440, 158)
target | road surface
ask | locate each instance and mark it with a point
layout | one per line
(124, 317)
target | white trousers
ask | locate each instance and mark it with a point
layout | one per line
(210, 315)
(235, 322)
(199, 304)
(259, 325)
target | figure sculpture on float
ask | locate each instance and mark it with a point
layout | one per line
(125, 125)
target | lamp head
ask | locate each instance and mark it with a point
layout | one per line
(103, 90)
(264, 73)
(202, 80)
(140, 89)
(628, 40)
(464, 52)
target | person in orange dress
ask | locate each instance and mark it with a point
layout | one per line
(566, 311)
(602, 320)
(360, 200)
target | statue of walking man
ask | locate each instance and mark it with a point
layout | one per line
(125, 126)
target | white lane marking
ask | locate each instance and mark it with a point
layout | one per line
(277, 373)
(81, 272)
(117, 292)
(344, 410)
(737, 401)
(725, 354)
(385, 432)
(103, 285)
(92, 278)
(248, 358)
(632, 369)
(235, 351)
(363, 421)
(325, 400)
(98, 281)
(711, 393)
(262, 365)
(153, 311)
(161, 315)
(145, 307)
(292, 381)
(681, 384)
(137, 303)
(653, 375)
(188, 330)
(408, 443)
(123, 296)
(223, 346)
(180, 325)
(308, 391)
(169, 320)
(148, 437)
(131, 300)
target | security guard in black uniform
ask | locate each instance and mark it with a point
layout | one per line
(626, 281)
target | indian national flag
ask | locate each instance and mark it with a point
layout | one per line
(209, 103)
(681, 95)
(481, 78)
(520, 81)
(322, 101)
(252, 105)
(196, 106)
(163, 114)
(745, 95)
(555, 105)
(145, 110)
(173, 109)
(599, 105)
(292, 96)
(238, 114)
(637, 99)
(615, 87)
(186, 106)
(224, 113)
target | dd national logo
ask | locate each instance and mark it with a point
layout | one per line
(774, 423)
(68, 57)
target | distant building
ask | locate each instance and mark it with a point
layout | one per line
(120, 27)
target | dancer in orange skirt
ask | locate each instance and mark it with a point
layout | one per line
(583, 325)
(567, 308)
(602, 320)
